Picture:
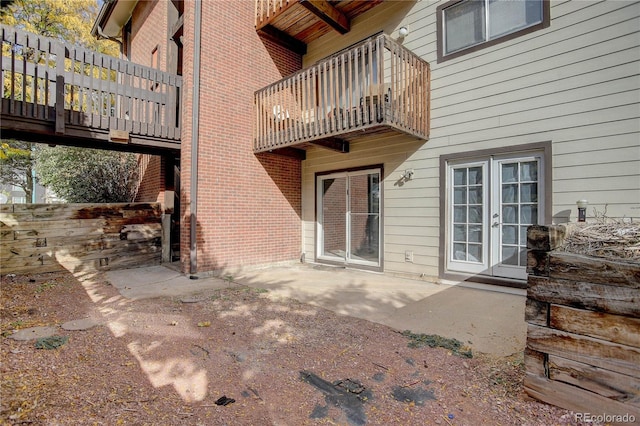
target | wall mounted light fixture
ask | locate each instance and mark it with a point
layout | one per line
(407, 175)
(403, 32)
(582, 210)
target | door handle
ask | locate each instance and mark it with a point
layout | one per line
(495, 217)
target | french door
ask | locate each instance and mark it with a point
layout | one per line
(490, 204)
(348, 217)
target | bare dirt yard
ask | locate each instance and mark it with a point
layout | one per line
(237, 357)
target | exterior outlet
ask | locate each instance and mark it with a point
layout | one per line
(408, 256)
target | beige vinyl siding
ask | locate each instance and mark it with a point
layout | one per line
(576, 84)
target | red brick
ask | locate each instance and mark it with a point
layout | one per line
(249, 206)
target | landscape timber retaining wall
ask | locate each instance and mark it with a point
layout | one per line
(583, 330)
(38, 238)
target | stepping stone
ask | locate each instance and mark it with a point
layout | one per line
(80, 324)
(34, 333)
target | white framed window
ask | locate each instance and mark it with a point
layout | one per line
(466, 25)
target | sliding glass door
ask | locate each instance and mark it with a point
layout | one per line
(349, 217)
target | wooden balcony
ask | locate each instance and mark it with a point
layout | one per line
(63, 94)
(294, 23)
(374, 87)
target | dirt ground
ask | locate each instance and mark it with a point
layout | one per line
(237, 357)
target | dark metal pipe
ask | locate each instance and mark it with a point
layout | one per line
(195, 127)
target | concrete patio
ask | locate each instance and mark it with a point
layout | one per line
(490, 319)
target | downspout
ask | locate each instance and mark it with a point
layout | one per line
(195, 127)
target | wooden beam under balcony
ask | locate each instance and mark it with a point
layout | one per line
(334, 144)
(307, 20)
(329, 14)
(283, 39)
(376, 87)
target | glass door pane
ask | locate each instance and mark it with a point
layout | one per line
(364, 218)
(349, 208)
(490, 204)
(518, 208)
(467, 218)
(334, 217)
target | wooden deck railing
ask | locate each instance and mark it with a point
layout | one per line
(376, 83)
(266, 9)
(44, 80)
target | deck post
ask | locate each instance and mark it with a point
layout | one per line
(59, 108)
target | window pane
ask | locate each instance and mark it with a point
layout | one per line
(475, 176)
(460, 214)
(460, 233)
(475, 253)
(475, 195)
(374, 193)
(523, 257)
(523, 235)
(464, 25)
(510, 214)
(509, 255)
(364, 237)
(460, 251)
(475, 214)
(510, 172)
(529, 193)
(460, 177)
(529, 171)
(475, 233)
(529, 214)
(510, 193)
(460, 196)
(510, 234)
(334, 224)
(509, 16)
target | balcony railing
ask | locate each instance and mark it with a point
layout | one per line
(266, 9)
(374, 86)
(52, 88)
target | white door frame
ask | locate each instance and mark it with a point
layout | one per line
(498, 222)
(492, 226)
(348, 258)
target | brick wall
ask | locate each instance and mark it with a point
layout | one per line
(148, 32)
(152, 179)
(248, 206)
